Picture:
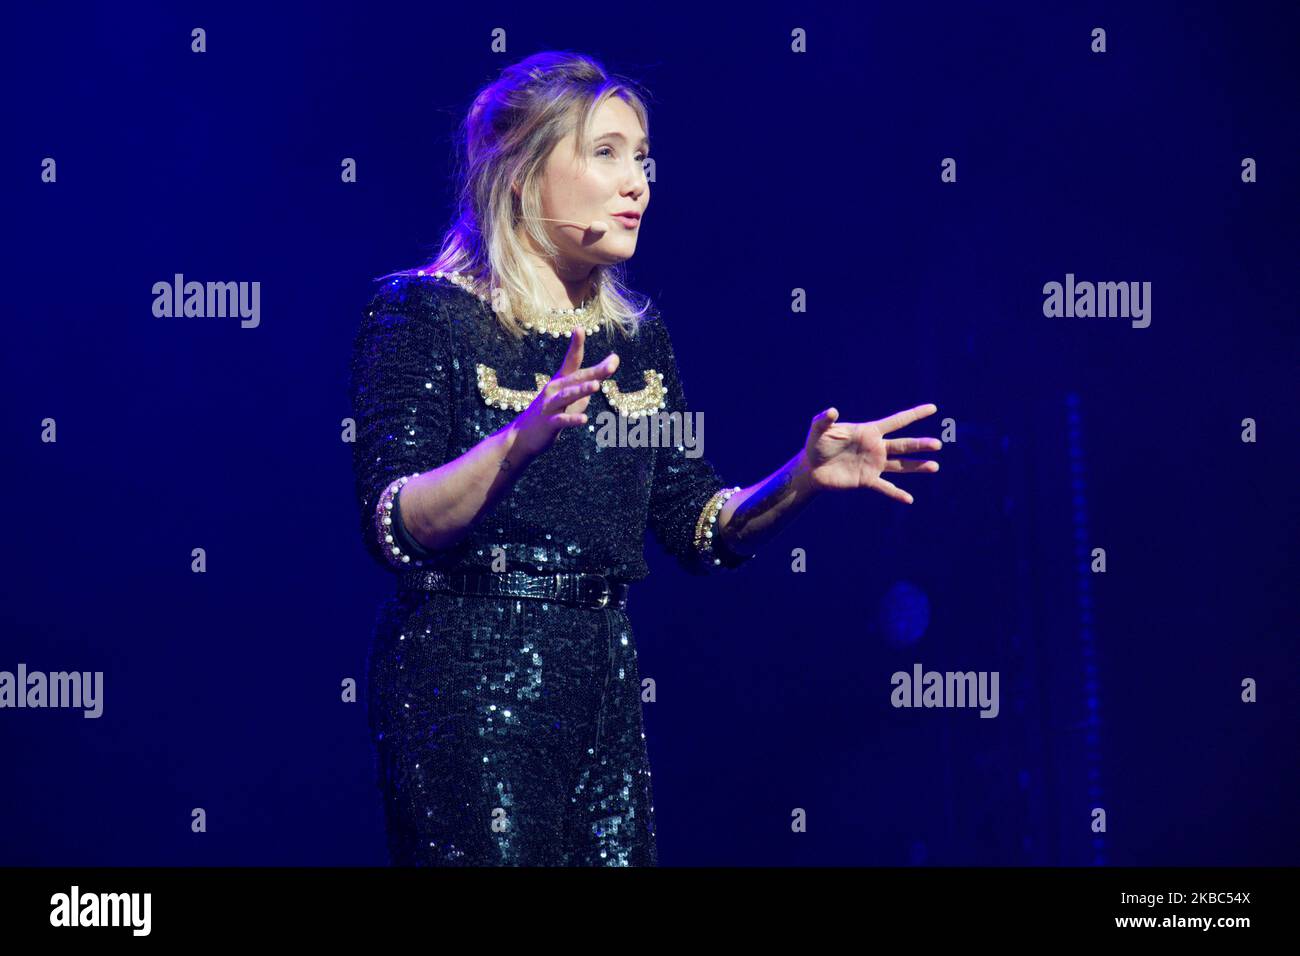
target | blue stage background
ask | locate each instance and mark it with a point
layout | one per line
(774, 170)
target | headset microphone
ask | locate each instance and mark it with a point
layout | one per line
(595, 226)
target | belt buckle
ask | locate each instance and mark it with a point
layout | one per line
(604, 584)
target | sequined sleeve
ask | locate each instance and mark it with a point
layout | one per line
(687, 493)
(400, 390)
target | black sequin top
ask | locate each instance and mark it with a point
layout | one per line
(431, 370)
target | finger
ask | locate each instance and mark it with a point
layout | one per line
(601, 371)
(910, 446)
(573, 357)
(903, 419)
(565, 397)
(826, 419)
(578, 404)
(910, 464)
(563, 420)
(893, 491)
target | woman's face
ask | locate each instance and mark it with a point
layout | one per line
(610, 182)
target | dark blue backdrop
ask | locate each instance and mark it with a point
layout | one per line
(1119, 690)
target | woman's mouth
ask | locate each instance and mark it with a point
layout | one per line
(630, 220)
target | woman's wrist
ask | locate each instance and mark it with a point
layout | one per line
(758, 514)
(402, 535)
(801, 475)
(512, 453)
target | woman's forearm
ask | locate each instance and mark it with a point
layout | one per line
(440, 506)
(754, 515)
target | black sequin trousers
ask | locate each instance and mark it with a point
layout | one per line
(508, 731)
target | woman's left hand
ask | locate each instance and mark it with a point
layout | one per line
(844, 455)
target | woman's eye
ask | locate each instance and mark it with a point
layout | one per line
(641, 157)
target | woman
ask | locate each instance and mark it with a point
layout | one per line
(504, 692)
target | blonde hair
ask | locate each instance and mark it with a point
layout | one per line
(507, 135)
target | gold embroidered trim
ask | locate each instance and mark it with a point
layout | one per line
(646, 401)
(561, 325)
(384, 524)
(507, 399)
(557, 323)
(704, 525)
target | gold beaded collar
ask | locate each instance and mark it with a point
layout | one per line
(648, 400)
(557, 323)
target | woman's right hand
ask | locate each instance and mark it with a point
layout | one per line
(563, 401)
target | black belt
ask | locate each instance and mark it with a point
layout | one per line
(586, 590)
